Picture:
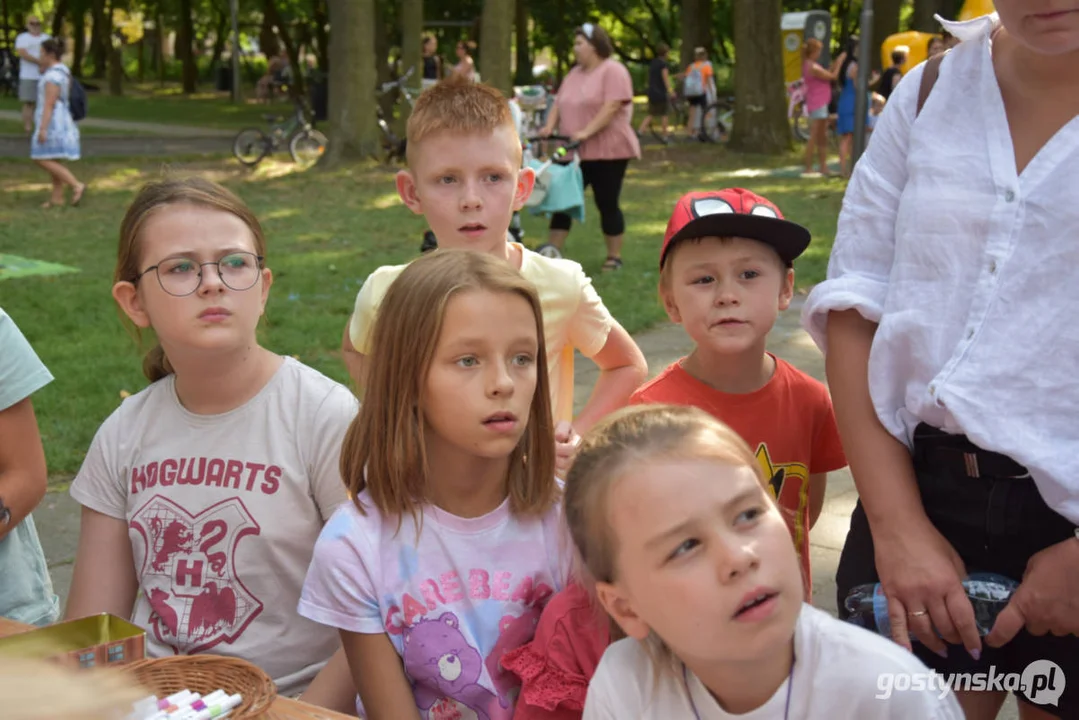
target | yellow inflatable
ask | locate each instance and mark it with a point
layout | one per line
(918, 42)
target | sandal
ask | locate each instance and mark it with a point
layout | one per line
(612, 264)
(77, 197)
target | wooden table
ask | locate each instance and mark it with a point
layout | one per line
(282, 709)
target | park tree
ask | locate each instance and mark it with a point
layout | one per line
(496, 29)
(353, 130)
(411, 18)
(523, 74)
(760, 108)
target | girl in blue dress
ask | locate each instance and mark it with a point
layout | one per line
(56, 136)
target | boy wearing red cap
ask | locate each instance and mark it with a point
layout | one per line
(726, 271)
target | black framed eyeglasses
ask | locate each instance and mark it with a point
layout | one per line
(182, 276)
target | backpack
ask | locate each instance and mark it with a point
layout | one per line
(76, 98)
(694, 86)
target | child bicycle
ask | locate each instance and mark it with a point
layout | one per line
(304, 143)
(392, 145)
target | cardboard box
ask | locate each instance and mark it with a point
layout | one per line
(96, 641)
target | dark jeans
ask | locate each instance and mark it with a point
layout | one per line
(605, 177)
(995, 524)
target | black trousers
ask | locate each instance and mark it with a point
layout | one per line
(996, 524)
(605, 177)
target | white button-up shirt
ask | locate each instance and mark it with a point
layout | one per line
(968, 267)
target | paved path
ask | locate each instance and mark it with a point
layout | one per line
(58, 523)
(132, 139)
(140, 128)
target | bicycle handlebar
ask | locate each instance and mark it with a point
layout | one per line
(388, 86)
(568, 142)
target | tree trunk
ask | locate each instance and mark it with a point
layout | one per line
(221, 36)
(296, 89)
(58, 18)
(99, 38)
(885, 23)
(78, 29)
(411, 18)
(495, 32)
(353, 130)
(523, 75)
(383, 40)
(922, 17)
(159, 46)
(696, 24)
(185, 36)
(760, 108)
(322, 39)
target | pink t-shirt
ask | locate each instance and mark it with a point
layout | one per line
(452, 599)
(818, 92)
(583, 94)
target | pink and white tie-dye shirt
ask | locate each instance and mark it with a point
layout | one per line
(452, 599)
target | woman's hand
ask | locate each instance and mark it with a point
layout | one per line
(580, 136)
(922, 577)
(41, 135)
(546, 131)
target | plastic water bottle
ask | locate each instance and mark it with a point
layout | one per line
(989, 594)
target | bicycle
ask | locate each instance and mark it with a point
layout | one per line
(305, 144)
(392, 145)
(714, 123)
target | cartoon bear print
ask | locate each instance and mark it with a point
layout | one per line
(444, 669)
(513, 632)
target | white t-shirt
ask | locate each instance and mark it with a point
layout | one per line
(837, 671)
(452, 601)
(32, 45)
(223, 512)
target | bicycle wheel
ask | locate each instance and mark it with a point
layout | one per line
(800, 123)
(251, 145)
(306, 147)
(716, 122)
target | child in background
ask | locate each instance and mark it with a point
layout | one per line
(26, 593)
(725, 274)
(203, 494)
(465, 177)
(876, 107)
(453, 542)
(671, 514)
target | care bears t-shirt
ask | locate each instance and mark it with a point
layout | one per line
(452, 600)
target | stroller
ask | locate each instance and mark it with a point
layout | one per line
(559, 184)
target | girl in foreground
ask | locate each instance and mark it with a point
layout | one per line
(670, 514)
(454, 542)
(203, 494)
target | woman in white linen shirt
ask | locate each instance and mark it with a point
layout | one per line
(951, 338)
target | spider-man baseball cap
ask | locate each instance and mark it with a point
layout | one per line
(733, 212)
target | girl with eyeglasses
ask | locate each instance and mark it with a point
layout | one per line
(204, 493)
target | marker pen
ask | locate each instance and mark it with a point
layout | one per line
(205, 702)
(175, 700)
(219, 710)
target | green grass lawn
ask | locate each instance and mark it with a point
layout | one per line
(326, 232)
(149, 103)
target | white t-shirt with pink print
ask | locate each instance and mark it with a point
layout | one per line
(452, 600)
(223, 512)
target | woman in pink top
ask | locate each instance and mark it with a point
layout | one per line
(595, 106)
(818, 87)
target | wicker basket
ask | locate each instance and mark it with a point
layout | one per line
(206, 673)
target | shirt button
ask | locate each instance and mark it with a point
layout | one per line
(1009, 196)
(932, 389)
(993, 266)
(970, 334)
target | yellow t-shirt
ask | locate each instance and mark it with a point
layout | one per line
(574, 317)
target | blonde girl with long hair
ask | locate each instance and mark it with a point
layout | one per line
(453, 542)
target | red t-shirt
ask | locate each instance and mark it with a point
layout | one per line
(788, 423)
